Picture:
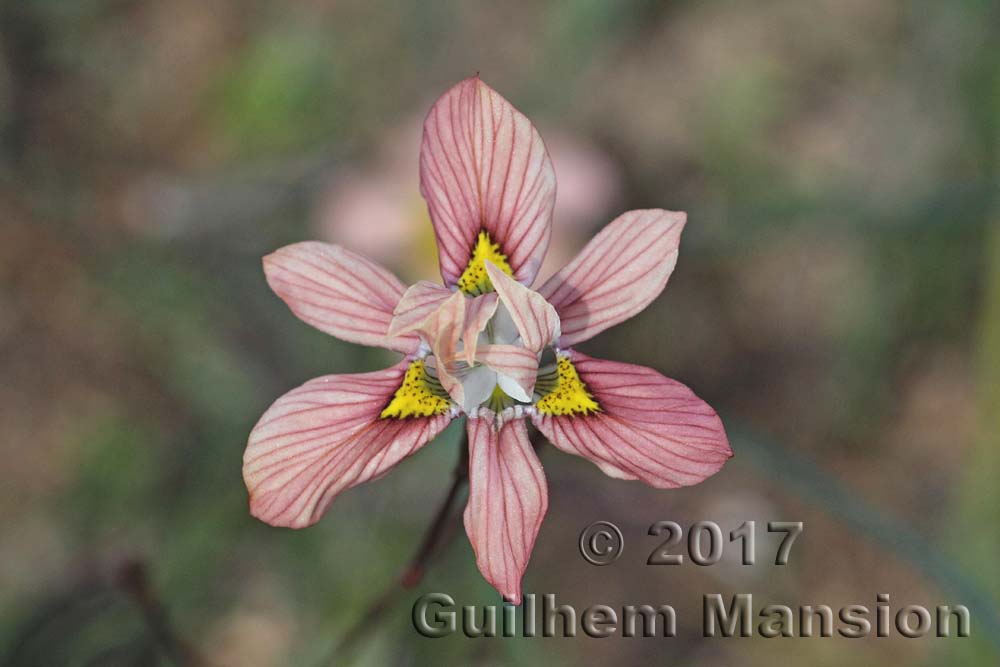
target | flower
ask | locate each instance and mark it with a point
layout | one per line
(483, 344)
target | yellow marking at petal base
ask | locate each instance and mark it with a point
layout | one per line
(474, 280)
(415, 397)
(570, 397)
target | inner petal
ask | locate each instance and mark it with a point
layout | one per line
(474, 280)
(511, 387)
(478, 384)
(502, 327)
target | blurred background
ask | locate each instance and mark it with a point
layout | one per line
(837, 300)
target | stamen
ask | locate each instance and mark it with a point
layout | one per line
(570, 396)
(474, 280)
(479, 412)
(420, 395)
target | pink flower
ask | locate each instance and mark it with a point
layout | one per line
(485, 345)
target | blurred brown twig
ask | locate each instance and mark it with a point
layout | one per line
(435, 537)
(92, 593)
(132, 578)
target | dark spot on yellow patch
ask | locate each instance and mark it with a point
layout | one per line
(474, 280)
(570, 396)
(416, 397)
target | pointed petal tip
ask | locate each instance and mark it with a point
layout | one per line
(258, 510)
(512, 598)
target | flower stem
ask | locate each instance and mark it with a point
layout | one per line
(414, 573)
(439, 533)
(133, 579)
(435, 537)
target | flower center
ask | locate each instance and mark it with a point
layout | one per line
(497, 379)
(474, 280)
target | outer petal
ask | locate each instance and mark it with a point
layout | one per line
(508, 498)
(339, 292)
(483, 166)
(649, 428)
(325, 437)
(535, 318)
(617, 274)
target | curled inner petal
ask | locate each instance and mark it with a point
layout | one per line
(535, 319)
(516, 368)
(480, 312)
(417, 305)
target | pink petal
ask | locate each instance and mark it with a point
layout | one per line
(325, 437)
(508, 498)
(437, 316)
(478, 313)
(444, 334)
(417, 305)
(649, 428)
(616, 275)
(420, 310)
(442, 328)
(483, 166)
(339, 292)
(516, 362)
(535, 318)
